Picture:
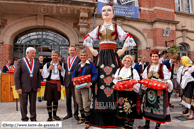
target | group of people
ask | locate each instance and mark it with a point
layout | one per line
(99, 103)
(9, 66)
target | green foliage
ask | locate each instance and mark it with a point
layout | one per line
(173, 50)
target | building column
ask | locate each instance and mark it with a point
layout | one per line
(183, 5)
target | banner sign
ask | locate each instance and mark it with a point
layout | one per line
(122, 10)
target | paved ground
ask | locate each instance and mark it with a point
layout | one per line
(8, 113)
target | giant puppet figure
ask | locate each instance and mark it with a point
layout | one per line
(104, 98)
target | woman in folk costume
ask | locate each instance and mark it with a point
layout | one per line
(155, 105)
(187, 84)
(104, 98)
(128, 102)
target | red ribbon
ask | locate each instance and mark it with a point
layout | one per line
(111, 4)
(128, 35)
(170, 69)
(86, 36)
(79, 69)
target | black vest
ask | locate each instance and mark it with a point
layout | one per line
(87, 70)
(49, 77)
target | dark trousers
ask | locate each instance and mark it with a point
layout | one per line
(169, 96)
(24, 103)
(70, 91)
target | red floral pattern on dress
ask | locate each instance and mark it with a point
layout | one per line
(108, 91)
(108, 70)
(108, 80)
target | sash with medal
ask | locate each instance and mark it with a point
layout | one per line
(30, 69)
(13, 67)
(7, 67)
(70, 65)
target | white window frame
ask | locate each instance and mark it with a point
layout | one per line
(180, 5)
(189, 6)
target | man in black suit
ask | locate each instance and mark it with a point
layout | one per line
(27, 82)
(69, 64)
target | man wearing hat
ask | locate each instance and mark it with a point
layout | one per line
(54, 72)
(163, 56)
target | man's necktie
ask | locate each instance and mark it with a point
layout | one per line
(30, 62)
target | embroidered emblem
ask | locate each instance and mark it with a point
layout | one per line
(113, 65)
(107, 70)
(128, 106)
(102, 87)
(121, 101)
(102, 76)
(102, 66)
(108, 80)
(108, 91)
(150, 99)
(120, 107)
(96, 89)
(152, 96)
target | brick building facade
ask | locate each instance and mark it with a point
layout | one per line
(73, 19)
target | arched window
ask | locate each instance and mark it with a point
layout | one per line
(43, 40)
(183, 50)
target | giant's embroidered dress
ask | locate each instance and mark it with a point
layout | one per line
(104, 98)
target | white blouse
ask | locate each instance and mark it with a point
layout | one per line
(126, 72)
(122, 35)
(166, 74)
(186, 76)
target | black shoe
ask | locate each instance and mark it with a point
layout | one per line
(170, 105)
(39, 100)
(76, 117)
(185, 111)
(67, 117)
(49, 119)
(56, 118)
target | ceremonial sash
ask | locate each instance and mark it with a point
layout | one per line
(29, 68)
(13, 67)
(7, 67)
(70, 64)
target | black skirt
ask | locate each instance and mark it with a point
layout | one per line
(51, 93)
(128, 105)
(188, 95)
(103, 113)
